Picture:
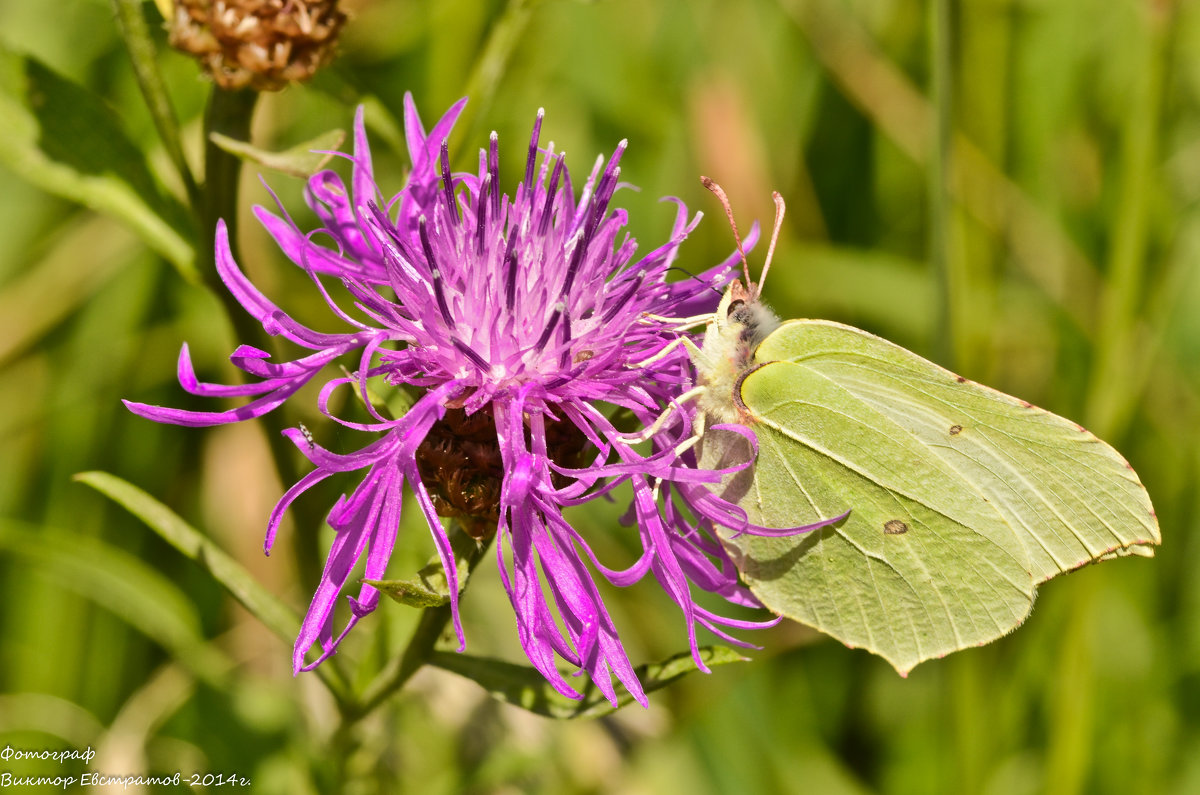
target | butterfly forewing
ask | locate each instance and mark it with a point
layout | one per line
(962, 498)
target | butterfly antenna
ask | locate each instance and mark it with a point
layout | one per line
(779, 210)
(694, 277)
(720, 194)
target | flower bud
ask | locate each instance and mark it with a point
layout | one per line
(258, 44)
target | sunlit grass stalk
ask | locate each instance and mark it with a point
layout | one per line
(493, 60)
(953, 340)
(1111, 393)
(966, 703)
(1071, 688)
(947, 268)
(1110, 396)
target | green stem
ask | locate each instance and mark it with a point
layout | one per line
(137, 38)
(424, 639)
(230, 113)
(433, 622)
(419, 651)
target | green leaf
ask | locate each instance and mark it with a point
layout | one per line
(413, 593)
(55, 287)
(961, 499)
(524, 687)
(166, 8)
(62, 138)
(431, 588)
(302, 160)
(124, 585)
(241, 585)
(277, 616)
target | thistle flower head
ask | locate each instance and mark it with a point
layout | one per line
(258, 44)
(529, 322)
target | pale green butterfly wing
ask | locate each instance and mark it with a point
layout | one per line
(1070, 497)
(962, 498)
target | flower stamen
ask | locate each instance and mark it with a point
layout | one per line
(510, 274)
(470, 353)
(550, 326)
(551, 194)
(448, 184)
(533, 148)
(494, 171)
(435, 275)
(622, 302)
(481, 205)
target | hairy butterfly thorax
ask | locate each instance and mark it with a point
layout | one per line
(733, 334)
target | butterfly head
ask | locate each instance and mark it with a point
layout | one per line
(740, 323)
(742, 320)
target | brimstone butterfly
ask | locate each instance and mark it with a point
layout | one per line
(961, 499)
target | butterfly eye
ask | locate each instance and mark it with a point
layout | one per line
(734, 306)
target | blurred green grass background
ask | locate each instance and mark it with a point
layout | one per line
(1010, 187)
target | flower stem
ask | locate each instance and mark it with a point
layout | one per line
(230, 113)
(424, 639)
(140, 45)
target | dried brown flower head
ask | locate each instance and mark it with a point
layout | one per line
(259, 44)
(462, 467)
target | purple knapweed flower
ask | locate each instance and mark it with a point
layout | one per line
(527, 322)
